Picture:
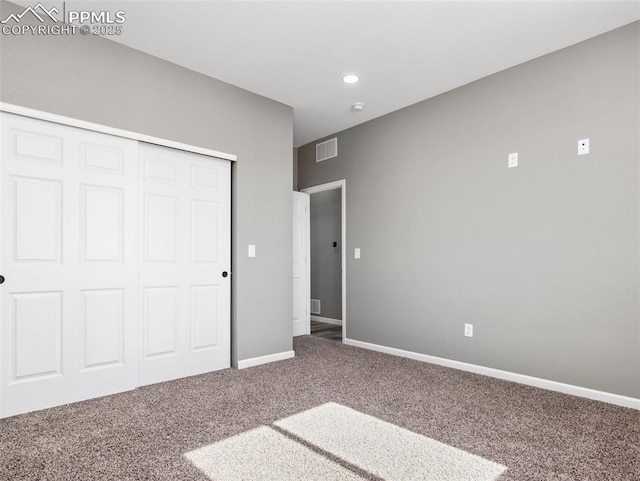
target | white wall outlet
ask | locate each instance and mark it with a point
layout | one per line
(468, 330)
(356, 253)
(252, 250)
(583, 146)
(512, 160)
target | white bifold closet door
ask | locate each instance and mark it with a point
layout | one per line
(69, 301)
(112, 253)
(184, 273)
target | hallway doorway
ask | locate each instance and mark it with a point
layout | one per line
(327, 238)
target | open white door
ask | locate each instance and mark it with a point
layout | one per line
(301, 278)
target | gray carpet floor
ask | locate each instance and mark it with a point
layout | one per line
(143, 434)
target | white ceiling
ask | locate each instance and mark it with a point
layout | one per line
(296, 52)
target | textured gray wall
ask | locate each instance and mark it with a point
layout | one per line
(326, 262)
(100, 81)
(542, 259)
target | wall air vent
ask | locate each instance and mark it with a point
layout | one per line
(327, 149)
(315, 306)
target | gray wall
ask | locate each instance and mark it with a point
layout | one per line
(101, 81)
(542, 259)
(326, 262)
(295, 169)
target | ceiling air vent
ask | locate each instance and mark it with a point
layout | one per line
(327, 149)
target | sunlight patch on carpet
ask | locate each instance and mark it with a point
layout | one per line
(263, 454)
(384, 449)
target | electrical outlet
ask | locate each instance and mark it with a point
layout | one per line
(468, 330)
(583, 146)
(512, 160)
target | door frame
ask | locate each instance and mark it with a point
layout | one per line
(342, 185)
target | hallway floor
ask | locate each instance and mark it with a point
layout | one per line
(326, 330)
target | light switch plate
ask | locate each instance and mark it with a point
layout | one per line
(513, 160)
(468, 330)
(356, 253)
(252, 250)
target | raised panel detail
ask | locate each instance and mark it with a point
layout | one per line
(102, 223)
(160, 170)
(296, 299)
(102, 326)
(36, 147)
(160, 223)
(204, 178)
(37, 331)
(204, 231)
(160, 320)
(296, 242)
(37, 220)
(204, 317)
(101, 159)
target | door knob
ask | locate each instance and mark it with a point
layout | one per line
(225, 274)
(1, 279)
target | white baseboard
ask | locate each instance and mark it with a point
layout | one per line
(616, 399)
(328, 320)
(256, 361)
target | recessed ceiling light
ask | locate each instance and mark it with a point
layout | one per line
(350, 78)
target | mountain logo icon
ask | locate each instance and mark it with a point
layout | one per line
(39, 11)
